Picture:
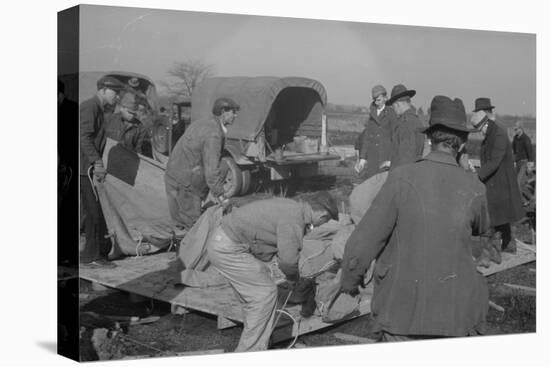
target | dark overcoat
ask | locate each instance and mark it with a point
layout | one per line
(375, 144)
(407, 139)
(419, 230)
(498, 174)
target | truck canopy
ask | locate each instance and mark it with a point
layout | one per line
(301, 103)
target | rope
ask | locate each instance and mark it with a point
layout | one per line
(294, 322)
(92, 182)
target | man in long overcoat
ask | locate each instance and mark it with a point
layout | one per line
(375, 142)
(497, 173)
(419, 230)
(407, 141)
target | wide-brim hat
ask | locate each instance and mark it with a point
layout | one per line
(449, 113)
(483, 103)
(398, 92)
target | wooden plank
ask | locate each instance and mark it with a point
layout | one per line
(153, 276)
(523, 256)
(529, 290)
(353, 338)
(495, 306)
(224, 323)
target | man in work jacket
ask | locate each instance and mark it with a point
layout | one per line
(255, 233)
(497, 173)
(523, 154)
(375, 142)
(92, 143)
(194, 165)
(407, 141)
(419, 230)
(124, 127)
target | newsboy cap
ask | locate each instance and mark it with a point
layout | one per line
(448, 113)
(378, 90)
(224, 103)
(111, 83)
(398, 92)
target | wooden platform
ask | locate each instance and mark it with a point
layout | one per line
(153, 276)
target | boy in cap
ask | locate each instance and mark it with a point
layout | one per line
(253, 234)
(497, 173)
(374, 143)
(124, 127)
(92, 143)
(419, 230)
(194, 164)
(407, 141)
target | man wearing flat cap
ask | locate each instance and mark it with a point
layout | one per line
(374, 143)
(419, 229)
(407, 141)
(193, 168)
(497, 173)
(92, 143)
(125, 127)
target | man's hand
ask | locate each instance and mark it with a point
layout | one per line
(530, 166)
(360, 165)
(99, 171)
(385, 165)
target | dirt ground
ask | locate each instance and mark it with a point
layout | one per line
(173, 334)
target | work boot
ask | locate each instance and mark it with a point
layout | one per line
(484, 259)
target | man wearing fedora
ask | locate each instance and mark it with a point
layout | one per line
(497, 173)
(407, 141)
(375, 141)
(419, 229)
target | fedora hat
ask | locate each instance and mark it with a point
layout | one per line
(483, 103)
(398, 92)
(449, 113)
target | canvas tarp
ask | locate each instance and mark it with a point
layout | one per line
(255, 96)
(134, 204)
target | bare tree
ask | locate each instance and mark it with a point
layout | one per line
(187, 74)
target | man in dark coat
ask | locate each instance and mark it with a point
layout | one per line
(375, 141)
(92, 143)
(419, 230)
(124, 127)
(523, 154)
(407, 141)
(253, 234)
(497, 173)
(194, 165)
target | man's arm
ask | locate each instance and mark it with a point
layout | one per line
(496, 156)
(88, 132)
(211, 154)
(289, 243)
(480, 214)
(370, 236)
(528, 148)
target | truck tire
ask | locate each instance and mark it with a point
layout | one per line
(233, 179)
(247, 182)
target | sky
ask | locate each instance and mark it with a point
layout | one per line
(348, 58)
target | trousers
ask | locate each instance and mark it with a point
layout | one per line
(252, 283)
(96, 246)
(183, 203)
